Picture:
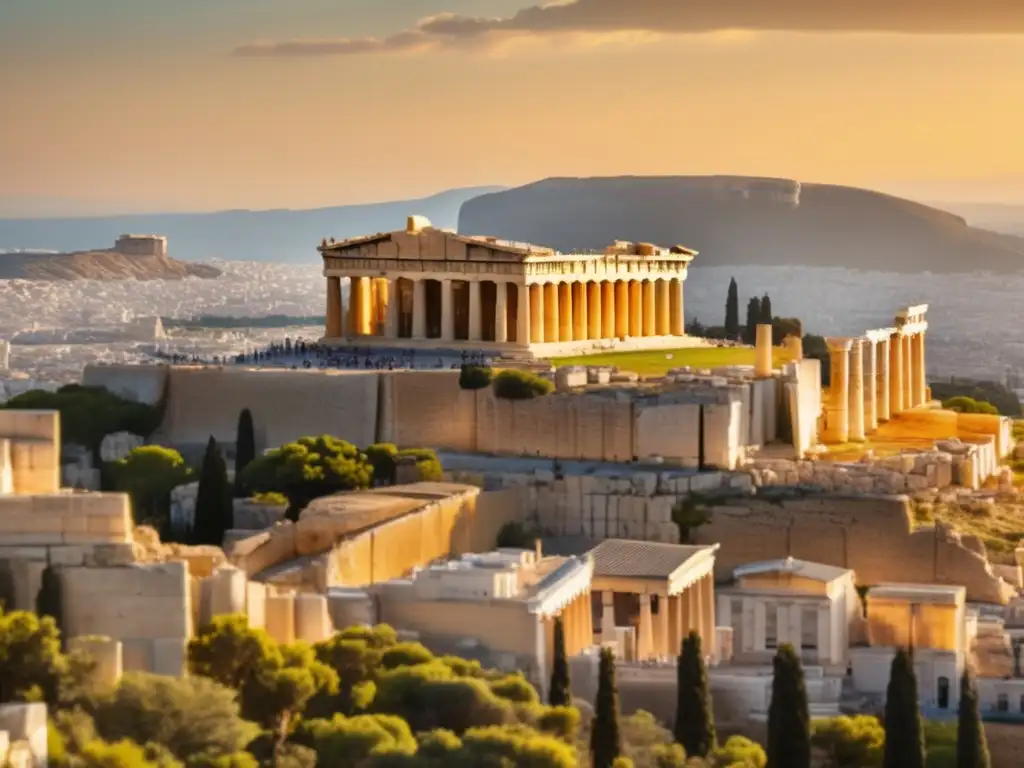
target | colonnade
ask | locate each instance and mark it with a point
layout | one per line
(875, 377)
(477, 310)
(660, 634)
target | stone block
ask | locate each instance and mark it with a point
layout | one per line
(26, 724)
(659, 510)
(706, 482)
(73, 556)
(280, 617)
(137, 655)
(681, 485)
(170, 656)
(645, 483)
(256, 604)
(109, 555)
(106, 653)
(312, 620)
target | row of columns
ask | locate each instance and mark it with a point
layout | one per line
(660, 635)
(544, 312)
(871, 380)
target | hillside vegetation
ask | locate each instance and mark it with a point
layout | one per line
(832, 226)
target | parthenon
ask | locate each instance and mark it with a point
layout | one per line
(875, 376)
(432, 288)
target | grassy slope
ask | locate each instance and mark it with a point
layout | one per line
(658, 362)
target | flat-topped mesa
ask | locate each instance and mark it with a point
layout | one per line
(423, 287)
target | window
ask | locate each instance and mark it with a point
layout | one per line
(943, 693)
(1003, 703)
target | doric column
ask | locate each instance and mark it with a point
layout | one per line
(501, 312)
(923, 368)
(908, 373)
(917, 351)
(607, 617)
(447, 315)
(645, 632)
(580, 321)
(650, 319)
(595, 311)
(607, 309)
(837, 427)
(391, 323)
(565, 311)
(523, 313)
(635, 309)
(552, 316)
(537, 314)
(419, 309)
(661, 646)
(663, 302)
(475, 323)
(870, 386)
(856, 403)
(763, 351)
(711, 642)
(675, 629)
(677, 318)
(622, 314)
(882, 385)
(333, 327)
(362, 306)
(895, 374)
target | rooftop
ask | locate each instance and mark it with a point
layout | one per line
(641, 559)
(803, 568)
(919, 593)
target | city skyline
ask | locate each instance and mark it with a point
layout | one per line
(140, 106)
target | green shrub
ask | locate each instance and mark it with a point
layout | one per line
(382, 457)
(428, 466)
(520, 385)
(515, 536)
(963, 404)
(270, 499)
(475, 377)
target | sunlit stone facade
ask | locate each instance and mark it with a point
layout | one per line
(431, 288)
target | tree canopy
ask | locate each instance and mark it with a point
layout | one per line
(214, 511)
(148, 474)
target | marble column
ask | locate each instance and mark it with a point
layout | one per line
(896, 374)
(580, 320)
(677, 320)
(870, 386)
(825, 637)
(760, 640)
(607, 309)
(856, 404)
(908, 373)
(551, 313)
(921, 362)
(660, 621)
(662, 293)
(675, 625)
(537, 313)
(711, 646)
(419, 309)
(391, 323)
(475, 318)
(917, 351)
(333, 329)
(622, 315)
(635, 309)
(500, 312)
(763, 351)
(607, 617)
(645, 630)
(882, 385)
(523, 314)
(361, 305)
(837, 414)
(565, 311)
(447, 312)
(650, 318)
(595, 311)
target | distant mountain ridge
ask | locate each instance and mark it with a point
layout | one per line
(735, 220)
(289, 236)
(98, 265)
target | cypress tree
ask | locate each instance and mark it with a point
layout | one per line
(214, 514)
(50, 598)
(245, 448)
(605, 739)
(789, 719)
(753, 315)
(971, 745)
(732, 310)
(560, 692)
(904, 736)
(765, 315)
(7, 591)
(695, 724)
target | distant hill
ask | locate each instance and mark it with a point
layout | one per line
(742, 220)
(98, 265)
(275, 236)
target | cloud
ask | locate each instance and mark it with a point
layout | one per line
(674, 17)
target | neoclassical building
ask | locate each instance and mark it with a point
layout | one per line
(432, 288)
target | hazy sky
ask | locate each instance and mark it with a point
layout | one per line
(120, 105)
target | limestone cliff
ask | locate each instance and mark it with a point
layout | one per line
(741, 220)
(98, 265)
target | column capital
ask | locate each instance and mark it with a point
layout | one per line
(839, 343)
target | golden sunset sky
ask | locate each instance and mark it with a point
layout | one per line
(125, 105)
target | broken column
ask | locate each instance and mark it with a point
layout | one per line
(837, 423)
(763, 351)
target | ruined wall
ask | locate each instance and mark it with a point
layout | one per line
(285, 405)
(141, 383)
(428, 408)
(29, 452)
(671, 431)
(872, 535)
(146, 607)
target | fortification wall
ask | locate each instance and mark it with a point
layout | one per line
(285, 405)
(872, 535)
(146, 607)
(141, 383)
(428, 408)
